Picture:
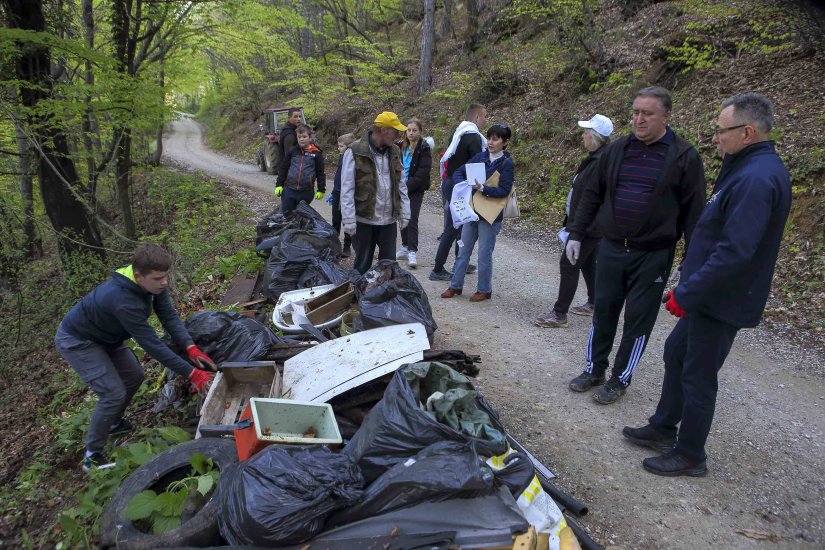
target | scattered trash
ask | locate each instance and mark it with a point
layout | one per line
(389, 295)
(284, 494)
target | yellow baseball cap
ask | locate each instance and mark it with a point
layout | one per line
(390, 120)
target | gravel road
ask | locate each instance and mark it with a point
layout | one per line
(765, 484)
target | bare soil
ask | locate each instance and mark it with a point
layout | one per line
(764, 488)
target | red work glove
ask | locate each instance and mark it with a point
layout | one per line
(671, 306)
(201, 360)
(200, 379)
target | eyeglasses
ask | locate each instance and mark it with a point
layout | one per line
(719, 131)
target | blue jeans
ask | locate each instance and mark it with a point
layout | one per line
(112, 372)
(485, 234)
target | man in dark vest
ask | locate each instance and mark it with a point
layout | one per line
(374, 192)
(649, 191)
(724, 284)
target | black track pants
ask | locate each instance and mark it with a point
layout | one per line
(569, 275)
(636, 280)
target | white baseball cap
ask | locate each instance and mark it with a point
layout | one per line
(599, 123)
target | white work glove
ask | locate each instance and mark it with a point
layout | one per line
(349, 228)
(402, 223)
(573, 251)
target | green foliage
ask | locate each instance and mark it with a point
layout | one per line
(244, 261)
(80, 523)
(161, 512)
(691, 55)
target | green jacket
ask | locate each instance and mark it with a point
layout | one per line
(366, 180)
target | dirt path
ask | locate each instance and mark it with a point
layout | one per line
(766, 447)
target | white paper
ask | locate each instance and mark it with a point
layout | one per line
(563, 236)
(475, 173)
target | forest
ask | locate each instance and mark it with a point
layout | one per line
(89, 85)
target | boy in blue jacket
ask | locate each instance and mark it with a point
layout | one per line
(91, 338)
(724, 284)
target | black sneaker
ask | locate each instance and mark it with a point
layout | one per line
(442, 275)
(471, 268)
(96, 461)
(346, 252)
(610, 393)
(648, 436)
(673, 464)
(122, 427)
(586, 381)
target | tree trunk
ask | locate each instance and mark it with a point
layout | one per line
(425, 70)
(471, 34)
(124, 53)
(56, 170)
(25, 181)
(446, 29)
(88, 118)
(155, 160)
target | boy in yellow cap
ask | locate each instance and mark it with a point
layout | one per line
(374, 191)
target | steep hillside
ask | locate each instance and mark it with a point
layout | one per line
(539, 72)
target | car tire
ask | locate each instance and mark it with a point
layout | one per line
(200, 530)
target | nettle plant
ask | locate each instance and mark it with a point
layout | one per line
(161, 512)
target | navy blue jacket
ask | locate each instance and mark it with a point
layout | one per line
(118, 309)
(302, 169)
(730, 261)
(507, 176)
(336, 184)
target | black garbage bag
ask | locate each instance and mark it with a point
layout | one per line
(389, 295)
(444, 470)
(324, 272)
(296, 259)
(230, 336)
(397, 428)
(303, 217)
(284, 494)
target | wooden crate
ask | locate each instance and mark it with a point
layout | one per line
(330, 304)
(232, 388)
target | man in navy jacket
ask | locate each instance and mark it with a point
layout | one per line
(725, 282)
(91, 338)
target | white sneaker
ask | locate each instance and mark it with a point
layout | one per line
(402, 253)
(411, 261)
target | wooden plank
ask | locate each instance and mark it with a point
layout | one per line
(240, 289)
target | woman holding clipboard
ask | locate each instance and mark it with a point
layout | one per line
(500, 175)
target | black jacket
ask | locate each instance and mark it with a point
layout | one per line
(300, 169)
(729, 264)
(287, 139)
(587, 170)
(468, 146)
(674, 207)
(418, 179)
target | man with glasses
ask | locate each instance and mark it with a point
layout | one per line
(374, 192)
(649, 190)
(725, 281)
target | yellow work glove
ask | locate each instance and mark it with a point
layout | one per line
(278, 191)
(319, 195)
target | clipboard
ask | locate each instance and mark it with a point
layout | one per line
(488, 207)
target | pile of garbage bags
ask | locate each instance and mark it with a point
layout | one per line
(389, 295)
(302, 250)
(422, 461)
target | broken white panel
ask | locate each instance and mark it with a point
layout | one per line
(334, 367)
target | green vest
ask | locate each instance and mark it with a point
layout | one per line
(366, 178)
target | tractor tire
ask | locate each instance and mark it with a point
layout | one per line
(201, 530)
(271, 158)
(259, 160)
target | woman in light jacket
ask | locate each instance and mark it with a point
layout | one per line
(416, 158)
(495, 158)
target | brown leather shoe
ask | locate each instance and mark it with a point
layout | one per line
(481, 296)
(450, 292)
